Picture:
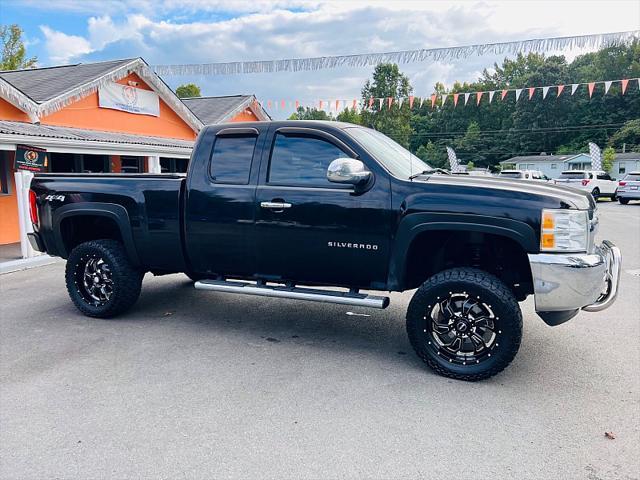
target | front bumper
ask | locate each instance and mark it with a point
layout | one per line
(570, 282)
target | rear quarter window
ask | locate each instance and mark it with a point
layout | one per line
(231, 159)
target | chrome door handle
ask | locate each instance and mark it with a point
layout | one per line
(275, 205)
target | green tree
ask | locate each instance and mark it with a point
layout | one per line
(188, 90)
(349, 116)
(627, 137)
(470, 166)
(13, 50)
(435, 156)
(388, 82)
(608, 156)
(310, 113)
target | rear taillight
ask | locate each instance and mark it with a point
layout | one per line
(585, 183)
(622, 184)
(33, 207)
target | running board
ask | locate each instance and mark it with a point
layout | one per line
(296, 293)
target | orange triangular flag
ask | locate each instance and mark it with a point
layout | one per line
(283, 104)
(410, 102)
(560, 88)
(478, 97)
(321, 102)
(390, 101)
(371, 102)
(503, 94)
(455, 99)
(591, 86)
(297, 104)
(337, 105)
(433, 100)
(532, 90)
(355, 103)
(623, 84)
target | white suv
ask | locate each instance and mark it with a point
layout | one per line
(597, 182)
(536, 175)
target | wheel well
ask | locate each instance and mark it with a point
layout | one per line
(83, 228)
(436, 250)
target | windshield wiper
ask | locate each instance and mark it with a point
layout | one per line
(431, 171)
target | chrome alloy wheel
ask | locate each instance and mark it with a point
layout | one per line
(93, 278)
(462, 328)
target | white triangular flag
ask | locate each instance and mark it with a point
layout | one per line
(443, 99)
(545, 90)
(574, 87)
(466, 97)
(421, 102)
(607, 86)
(491, 94)
(400, 100)
(518, 92)
(380, 101)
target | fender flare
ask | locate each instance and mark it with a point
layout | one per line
(113, 211)
(414, 224)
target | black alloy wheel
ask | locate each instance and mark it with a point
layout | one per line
(101, 280)
(465, 324)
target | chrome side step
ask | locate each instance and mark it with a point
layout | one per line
(297, 293)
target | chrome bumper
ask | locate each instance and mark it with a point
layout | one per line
(587, 281)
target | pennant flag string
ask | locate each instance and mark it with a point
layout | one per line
(591, 41)
(398, 102)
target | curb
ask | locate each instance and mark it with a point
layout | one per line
(26, 263)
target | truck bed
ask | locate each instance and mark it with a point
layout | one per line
(151, 204)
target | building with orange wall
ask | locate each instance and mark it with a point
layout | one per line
(114, 116)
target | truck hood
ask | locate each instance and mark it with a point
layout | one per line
(572, 197)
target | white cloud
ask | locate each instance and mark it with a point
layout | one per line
(262, 30)
(62, 47)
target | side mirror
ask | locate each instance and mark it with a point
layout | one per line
(349, 171)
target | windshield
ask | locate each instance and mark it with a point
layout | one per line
(394, 157)
(632, 177)
(572, 175)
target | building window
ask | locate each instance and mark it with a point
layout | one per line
(554, 166)
(74, 163)
(622, 168)
(131, 164)
(174, 165)
(5, 173)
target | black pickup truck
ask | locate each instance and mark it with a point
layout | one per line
(280, 208)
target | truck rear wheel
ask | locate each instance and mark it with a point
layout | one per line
(465, 324)
(101, 280)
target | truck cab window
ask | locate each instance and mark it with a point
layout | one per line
(231, 159)
(302, 160)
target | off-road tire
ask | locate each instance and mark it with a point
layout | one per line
(126, 279)
(474, 282)
(623, 201)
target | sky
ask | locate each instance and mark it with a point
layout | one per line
(206, 31)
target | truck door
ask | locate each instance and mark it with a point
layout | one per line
(311, 230)
(220, 202)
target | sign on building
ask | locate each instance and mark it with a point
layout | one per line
(117, 96)
(33, 159)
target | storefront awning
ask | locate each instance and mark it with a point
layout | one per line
(78, 140)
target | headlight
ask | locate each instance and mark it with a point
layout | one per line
(564, 230)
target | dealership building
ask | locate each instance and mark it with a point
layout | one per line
(115, 116)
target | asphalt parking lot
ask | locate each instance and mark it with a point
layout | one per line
(205, 385)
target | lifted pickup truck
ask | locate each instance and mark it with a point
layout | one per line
(268, 207)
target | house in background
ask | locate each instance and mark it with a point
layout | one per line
(107, 117)
(231, 108)
(553, 165)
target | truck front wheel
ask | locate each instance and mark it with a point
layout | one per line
(101, 280)
(465, 324)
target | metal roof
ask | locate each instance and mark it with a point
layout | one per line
(541, 158)
(214, 110)
(84, 135)
(564, 158)
(42, 84)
